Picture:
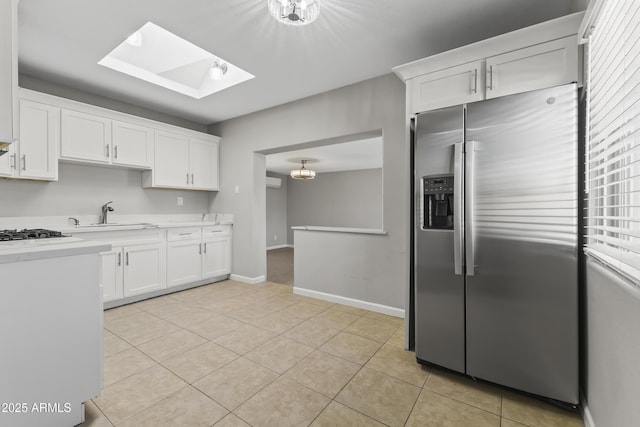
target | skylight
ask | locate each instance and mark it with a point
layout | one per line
(162, 58)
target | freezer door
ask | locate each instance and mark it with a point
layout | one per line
(522, 294)
(439, 291)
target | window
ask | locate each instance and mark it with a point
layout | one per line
(613, 143)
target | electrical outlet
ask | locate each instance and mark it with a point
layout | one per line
(180, 201)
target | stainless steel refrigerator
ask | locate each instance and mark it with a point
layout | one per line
(496, 291)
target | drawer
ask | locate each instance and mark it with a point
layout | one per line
(184, 233)
(216, 230)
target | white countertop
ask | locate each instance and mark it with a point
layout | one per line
(138, 226)
(89, 223)
(33, 249)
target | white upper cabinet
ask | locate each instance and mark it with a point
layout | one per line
(96, 139)
(132, 145)
(536, 67)
(452, 86)
(536, 57)
(85, 137)
(183, 162)
(169, 156)
(8, 71)
(34, 155)
(203, 155)
(171, 166)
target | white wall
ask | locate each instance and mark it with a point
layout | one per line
(374, 104)
(276, 200)
(81, 190)
(336, 199)
(612, 383)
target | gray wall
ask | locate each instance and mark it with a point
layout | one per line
(276, 205)
(81, 190)
(612, 383)
(337, 199)
(374, 104)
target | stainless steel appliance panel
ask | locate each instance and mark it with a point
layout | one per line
(522, 296)
(439, 291)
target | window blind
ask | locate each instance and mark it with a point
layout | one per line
(613, 143)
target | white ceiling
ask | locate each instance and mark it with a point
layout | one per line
(353, 155)
(62, 41)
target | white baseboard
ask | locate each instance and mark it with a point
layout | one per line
(279, 247)
(249, 280)
(371, 306)
(587, 419)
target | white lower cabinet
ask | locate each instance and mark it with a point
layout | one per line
(184, 252)
(195, 253)
(135, 265)
(112, 275)
(151, 261)
(216, 255)
(144, 268)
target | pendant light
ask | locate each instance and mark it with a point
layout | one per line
(303, 173)
(294, 12)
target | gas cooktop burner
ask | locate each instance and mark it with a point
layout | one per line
(24, 234)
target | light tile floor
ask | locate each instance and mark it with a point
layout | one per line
(232, 354)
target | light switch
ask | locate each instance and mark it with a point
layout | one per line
(237, 189)
(180, 201)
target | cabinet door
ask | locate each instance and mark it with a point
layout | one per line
(183, 262)
(203, 161)
(112, 275)
(216, 256)
(144, 268)
(445, 88)
(39, 130)
(171, 164)
(536, 67)
(85, 137)
(132, 144)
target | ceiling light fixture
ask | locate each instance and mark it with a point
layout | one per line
(135, 39)
(218, 70)
(303, 173)
(294, 12)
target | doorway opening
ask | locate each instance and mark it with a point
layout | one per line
(347, 192)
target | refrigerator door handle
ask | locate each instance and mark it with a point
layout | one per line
(469, 206)
(458, 207)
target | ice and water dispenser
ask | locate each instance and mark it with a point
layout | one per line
(437, 202)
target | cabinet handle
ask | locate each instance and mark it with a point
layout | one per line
(475, 81)
(192, 178)
(13, 161)
(119, 259)
(115, 151)
(126, 258)
(185, 234)
(490, 77)
(24, 162)
(107, 151)
(200, 248)
(205, 247)
(187, 178)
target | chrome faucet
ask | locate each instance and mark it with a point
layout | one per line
(105, 210)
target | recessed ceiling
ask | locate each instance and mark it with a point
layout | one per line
(62, 41)
(346, 156)
(158, 56)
